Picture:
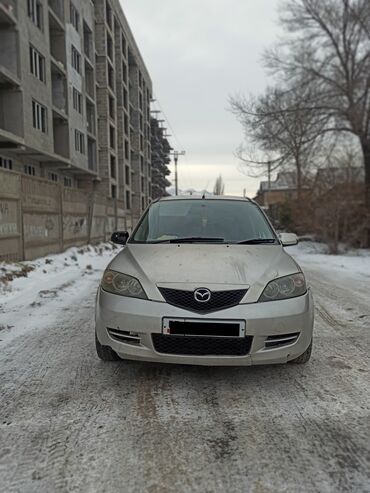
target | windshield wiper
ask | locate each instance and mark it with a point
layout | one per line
(257, 241)
(191, 239)
(197, 239)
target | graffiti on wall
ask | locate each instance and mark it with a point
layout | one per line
(75, 227)
(41, 227)
(8, 218)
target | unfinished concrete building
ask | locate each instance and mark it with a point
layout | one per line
(75, 98)
(160, 159)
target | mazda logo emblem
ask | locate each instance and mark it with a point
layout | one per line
(202, 295)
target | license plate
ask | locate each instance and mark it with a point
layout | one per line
(204, 328)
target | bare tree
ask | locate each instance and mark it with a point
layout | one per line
(326, 55)
(280, 125)
(219, 188)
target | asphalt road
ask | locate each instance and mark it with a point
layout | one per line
(69, 422)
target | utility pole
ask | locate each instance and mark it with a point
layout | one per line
(176, 155)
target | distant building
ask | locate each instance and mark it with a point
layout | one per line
(279, 191)
(331, 177)
(190, 191)
(160, 160)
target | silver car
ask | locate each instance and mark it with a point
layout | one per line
(204, 281)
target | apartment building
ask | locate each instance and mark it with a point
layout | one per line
(75, 97)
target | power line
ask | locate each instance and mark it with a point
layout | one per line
(179, 144)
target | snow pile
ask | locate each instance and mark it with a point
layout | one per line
(315, 254)
(32, 293)
(19, 276)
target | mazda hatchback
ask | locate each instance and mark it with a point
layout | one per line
(204, 281)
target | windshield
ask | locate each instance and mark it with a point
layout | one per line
(215, 221)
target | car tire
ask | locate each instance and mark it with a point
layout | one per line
(105, 353)
(304, 357)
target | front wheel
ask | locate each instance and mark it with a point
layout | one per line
(105, 353)
(303, 358)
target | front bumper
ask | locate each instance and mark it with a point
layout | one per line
(263, 320)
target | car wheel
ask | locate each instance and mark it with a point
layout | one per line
(105, 353)
(303, 358)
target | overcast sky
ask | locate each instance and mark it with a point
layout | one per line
(199, 52)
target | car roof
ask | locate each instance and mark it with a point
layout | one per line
(206, 197)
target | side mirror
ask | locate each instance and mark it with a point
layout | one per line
(120, 237)
(288, 239)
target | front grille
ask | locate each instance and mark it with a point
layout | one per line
(202, 346)
(219, 299)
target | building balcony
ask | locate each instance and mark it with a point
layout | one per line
(7, 79)
(89, 81)
(9, 59)
(8, 13)
(61, 135)
(91, 119)
(11, 112)
(57, 8)
(59, 88)
(91, 154)
(58, 50)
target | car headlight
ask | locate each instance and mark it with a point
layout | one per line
(122, 284)
(284, 288)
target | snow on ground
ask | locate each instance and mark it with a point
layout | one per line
(69, 422)
(353, 262)
(40, 286)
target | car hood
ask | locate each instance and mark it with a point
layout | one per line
(217, 267)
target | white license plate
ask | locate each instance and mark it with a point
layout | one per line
(203, 328)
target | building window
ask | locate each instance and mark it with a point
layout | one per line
(39, 116)
(34, 9)
(79, 142)
(75, 17)
(110, 46)
(142, 203)
(125, 98)
(76, 60)
(125, 124)
(112, 137)
(124, 46)
(37, 64)
(127, 175)
(112, 167)
(128, 200)
(127, 152)
(111, 107)
(67, 182)
(53, 177)
(88, 41)
(114, 191)
(90, 115)
(108, 13)
(77, 101)
(29, 170)
(6, 163)
(142, 184)
(110, 77)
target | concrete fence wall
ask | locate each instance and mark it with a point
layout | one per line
(38, 217)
